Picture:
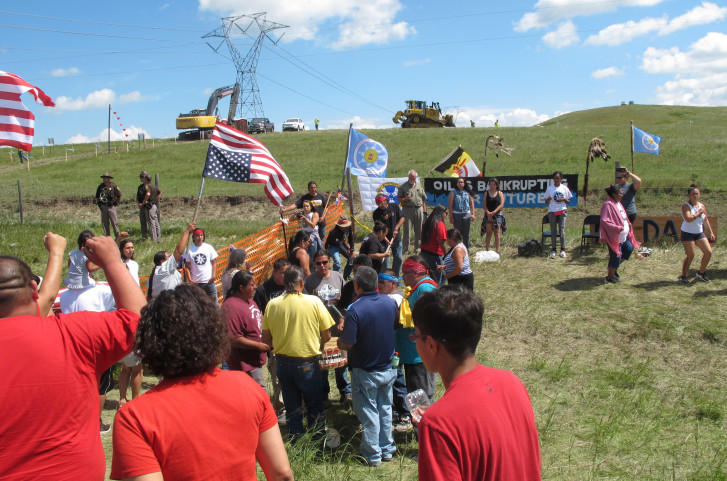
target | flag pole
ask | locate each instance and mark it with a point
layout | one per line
(350, 200)
(109, 131)
(345, 162)
(632, 145)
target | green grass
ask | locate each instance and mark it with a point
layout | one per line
(626, 380)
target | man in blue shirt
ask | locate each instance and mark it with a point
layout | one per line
(368, 336)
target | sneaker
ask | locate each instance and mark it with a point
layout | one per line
(552, 255)
(282, 420)
(104, 427)
(386, 458)
(611, 280)
(404, 424)
(684, 279)
(617, 276)
(703, 277)
(562, 254)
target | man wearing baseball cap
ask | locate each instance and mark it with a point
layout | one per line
(108, 196)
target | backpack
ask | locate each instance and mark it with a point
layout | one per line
(405, 318)
(530, 248)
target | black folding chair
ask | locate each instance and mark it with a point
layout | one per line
(593, 222)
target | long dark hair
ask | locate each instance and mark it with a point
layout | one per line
(433, 220)
(299, 237)
(158, 259)
(122, 244)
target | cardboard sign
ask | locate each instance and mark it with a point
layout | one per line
(651, 229)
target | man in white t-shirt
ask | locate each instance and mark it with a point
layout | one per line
(557, 197)
(201, 260)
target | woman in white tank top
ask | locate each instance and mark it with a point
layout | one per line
(694, 215)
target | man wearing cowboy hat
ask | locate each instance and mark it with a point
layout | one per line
(340, 243)
(107, 198)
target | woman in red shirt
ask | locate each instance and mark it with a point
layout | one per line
(434, 237)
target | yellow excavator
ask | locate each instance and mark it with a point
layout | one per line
(202, 121)
(419, 115)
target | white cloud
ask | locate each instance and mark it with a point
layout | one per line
(165, 6)
(360, 123)
(131, 134)
(94, 100)
(706, 13)
(359, 23)
(620, 33)
(516, 117)
(415, 63)
(548, 12)
(700, 73)
(607, 73)
(706, 55)
(66, 72)
(565, 35)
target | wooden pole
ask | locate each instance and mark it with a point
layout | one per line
(20, 202)
(159, 201)
(350, 200)
(631, 133)
(345, 161)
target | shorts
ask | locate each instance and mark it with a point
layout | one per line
(689, 237)
(498, 223)
(131, 360)
(106, 383)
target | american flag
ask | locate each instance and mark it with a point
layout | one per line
(16, 121)
(237, 157)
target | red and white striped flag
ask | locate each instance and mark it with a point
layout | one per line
(16, 121)
(237, 157)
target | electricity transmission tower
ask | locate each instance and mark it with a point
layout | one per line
(248, 103)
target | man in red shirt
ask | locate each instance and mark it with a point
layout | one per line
(483, 427)
(49, 388)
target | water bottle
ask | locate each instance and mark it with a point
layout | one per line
(395, 361)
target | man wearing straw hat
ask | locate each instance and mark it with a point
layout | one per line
(108, 196)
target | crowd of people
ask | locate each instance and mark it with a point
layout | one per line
(214, 415)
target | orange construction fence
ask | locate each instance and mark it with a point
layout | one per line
(264, 247)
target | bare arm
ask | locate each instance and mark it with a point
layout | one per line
(268, 338)
(636, 178)
(147, 477)
(304, 260)
(325, 336)
(56, 246)
(103, 252)
(245, 343)
(182, 244)
(472, 207)
(344, 346)
(458, 258)
(271, 455)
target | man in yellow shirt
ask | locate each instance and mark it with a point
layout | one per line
(296, 326)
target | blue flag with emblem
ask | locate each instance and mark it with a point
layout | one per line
(645, 142)
(366, 157)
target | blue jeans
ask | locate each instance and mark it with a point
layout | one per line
(211, 289)
(372, 397)
(614, 260)
(336, 254)
(400, 392)
(300, 381)
(313, 247)
(395, 257)
(342, 383)
(462, 224)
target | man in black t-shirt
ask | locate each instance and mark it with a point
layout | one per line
(376, 246)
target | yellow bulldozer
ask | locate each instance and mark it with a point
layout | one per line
(418, 115)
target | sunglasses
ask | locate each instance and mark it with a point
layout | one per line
(620, 177)
(321, 263)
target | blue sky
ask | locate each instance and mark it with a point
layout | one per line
(344, 61)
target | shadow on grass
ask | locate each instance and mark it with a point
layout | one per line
(579, 284)
(654, 285)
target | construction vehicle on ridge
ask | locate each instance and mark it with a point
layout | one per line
(419, 115)
(202, 121)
